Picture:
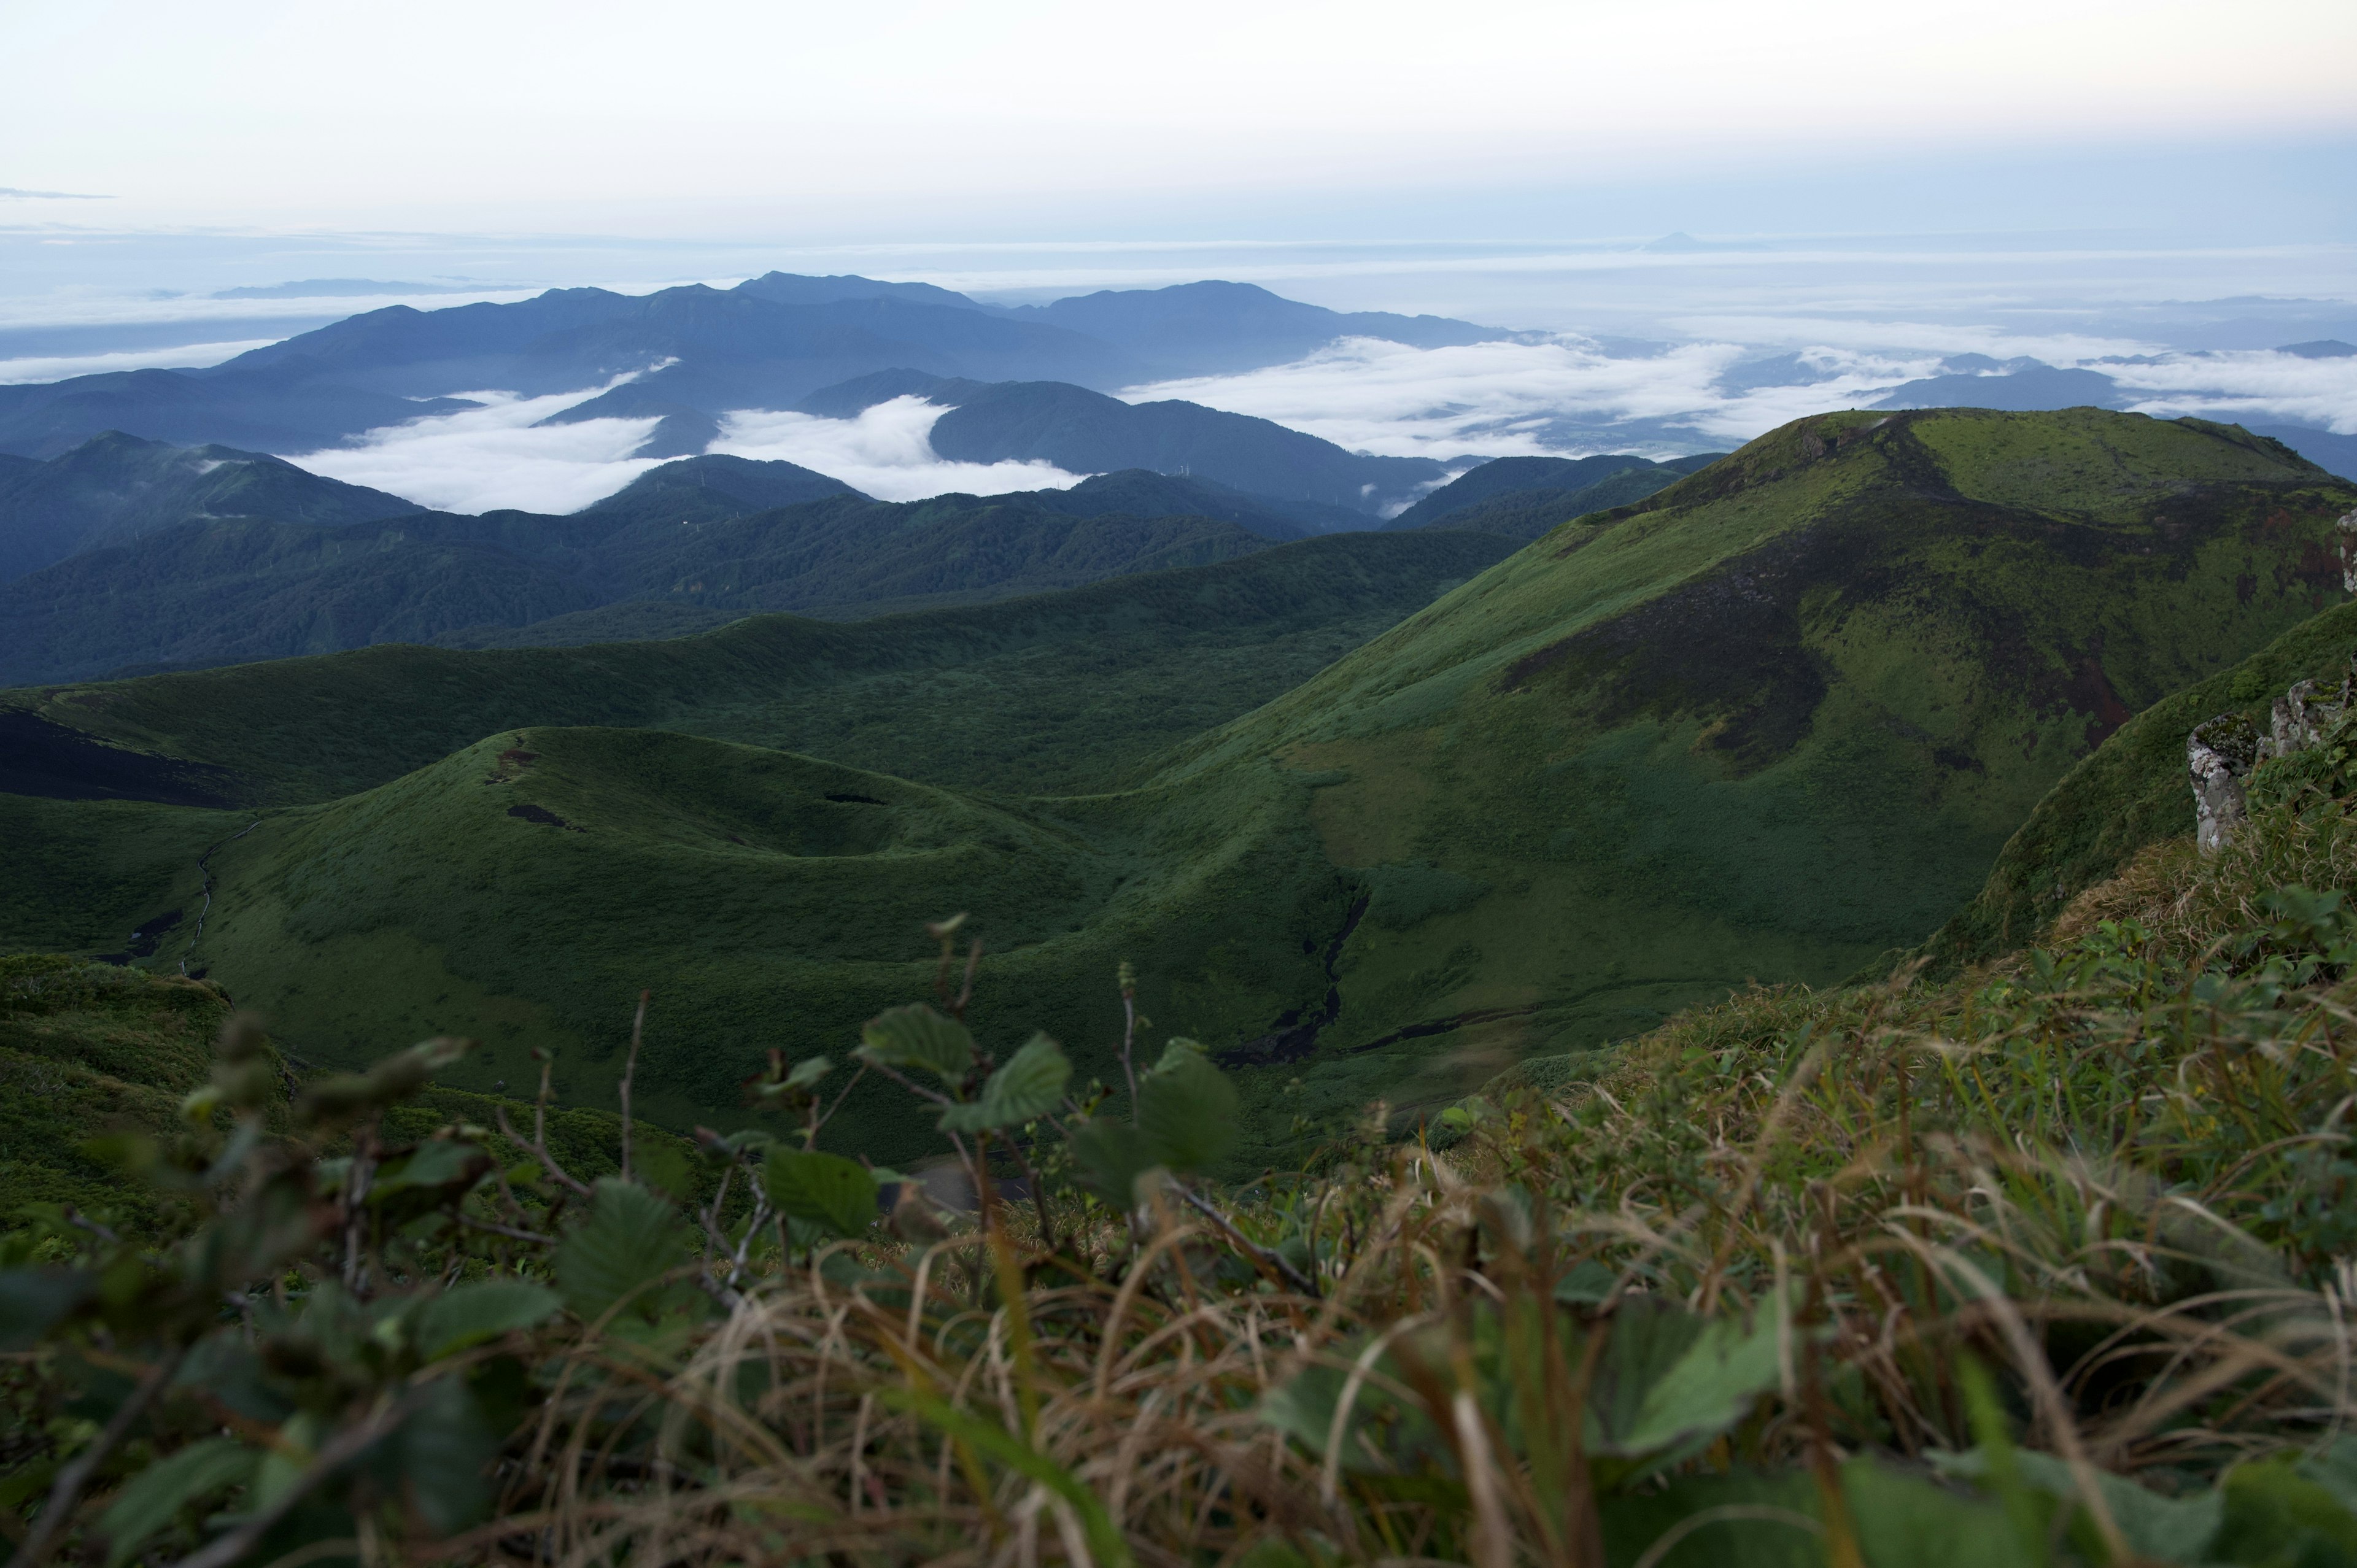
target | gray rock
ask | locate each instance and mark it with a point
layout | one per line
(2219, 755)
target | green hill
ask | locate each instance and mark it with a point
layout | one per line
(1769, 723)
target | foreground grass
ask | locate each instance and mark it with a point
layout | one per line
(2049, 1263)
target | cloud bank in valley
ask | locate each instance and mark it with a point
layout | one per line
(887, 451)
(1539, 394)
(481, 459)
(189, 356)
(2268, 388)
(1568, 394)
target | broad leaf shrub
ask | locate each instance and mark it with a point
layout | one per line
(2049, 1265)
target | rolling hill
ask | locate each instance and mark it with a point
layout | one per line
(1768, 722)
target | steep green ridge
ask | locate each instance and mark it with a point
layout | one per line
(2132, 791)
(1527, 513)
(1747, 727)
(1060, 691)
(1769, 723)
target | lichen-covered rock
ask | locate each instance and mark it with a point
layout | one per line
(2294, 722)
(2346, 523)
(2219, 755)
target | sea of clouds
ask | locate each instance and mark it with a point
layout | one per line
(1542, 393)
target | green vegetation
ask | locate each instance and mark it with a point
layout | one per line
(1769, 724)
(2039, 1265)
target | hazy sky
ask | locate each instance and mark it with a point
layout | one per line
(923, 118)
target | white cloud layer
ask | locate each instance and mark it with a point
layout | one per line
(1529, 397)
(501, 456)
(189, 356)
(2266, 387)
(481, 459)
(887, 452)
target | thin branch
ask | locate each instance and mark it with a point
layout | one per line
(811, 1141)
(1267, 1260)
(66, 1492)
(536, 1147)
(510, 1231)
(333, 1455)
(629, 1070)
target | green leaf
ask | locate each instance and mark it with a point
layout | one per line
(436, 1162)
(917, 1037)
(470, 1314)
(440, 1458)
(809, 1072)
(1112, 1157)
(1711, 1387)
(1178, 1052)
(1187, 1111)
(630, 1238)
(822, 1189)
(152, 1498)
(1026, 1088)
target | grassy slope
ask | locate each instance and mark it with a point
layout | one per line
(770, 900)
(2132, 791)
(91, 1051)
(87, 1050)
(1769, 723)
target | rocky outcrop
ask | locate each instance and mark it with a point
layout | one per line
(2220, 753)
(2346, 523)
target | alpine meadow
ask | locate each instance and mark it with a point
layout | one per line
(1253, 789)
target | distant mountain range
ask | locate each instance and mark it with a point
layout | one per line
(128, 553)
(697, 352)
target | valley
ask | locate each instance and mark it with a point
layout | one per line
(1373, 816)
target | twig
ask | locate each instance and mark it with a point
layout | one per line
(1128, 1033)
(630, 1069)
(510, 1231)
(537, 1145)
(1267, 1260)
(810, 1140)
(66, 1490)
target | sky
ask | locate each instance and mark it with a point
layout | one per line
(1023, 118)
(1870, 187)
